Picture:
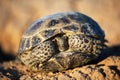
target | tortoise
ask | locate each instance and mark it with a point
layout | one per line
(61, 41)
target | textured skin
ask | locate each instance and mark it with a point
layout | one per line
(61, 41)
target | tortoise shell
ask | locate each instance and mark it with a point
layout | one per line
(49, 26)
(61, 41)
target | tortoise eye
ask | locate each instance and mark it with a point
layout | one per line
(53, 22)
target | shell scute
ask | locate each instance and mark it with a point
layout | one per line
(53, 22)
(65, 20)
(71, 28)
(51, 25)
(24, 45)
(77, 17)
(33, 27)
(35, 40)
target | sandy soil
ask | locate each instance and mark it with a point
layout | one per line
(107, 67)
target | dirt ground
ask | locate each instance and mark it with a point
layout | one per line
(107, 67)
(17, 15)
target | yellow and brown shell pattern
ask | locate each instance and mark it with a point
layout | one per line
(61, 41)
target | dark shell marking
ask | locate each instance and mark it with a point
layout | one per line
(64, 20)
(76, 17)
(33, 27)
(49, 33)
(35, 40)
(83, 19)
(53, 23)
(24, 45)
(71, 28)
(61, 41)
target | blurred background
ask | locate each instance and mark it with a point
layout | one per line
(17, 15)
